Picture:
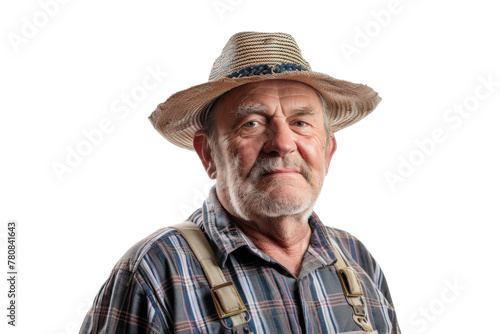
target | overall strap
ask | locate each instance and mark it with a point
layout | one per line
(224, 294)
(353, 292)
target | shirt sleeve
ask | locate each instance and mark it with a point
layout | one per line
(124, 304)
(360, 254)
(383, 287)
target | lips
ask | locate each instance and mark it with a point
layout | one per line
(283, 171)
(278, 166)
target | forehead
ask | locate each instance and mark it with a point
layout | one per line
(287, 93)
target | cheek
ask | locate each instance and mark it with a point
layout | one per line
(312, 151)
(247, 150)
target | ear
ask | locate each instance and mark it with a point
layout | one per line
(201, 146)
(331, 149)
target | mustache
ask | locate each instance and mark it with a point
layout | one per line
(264, 165)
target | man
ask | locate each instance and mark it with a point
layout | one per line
(263, 126)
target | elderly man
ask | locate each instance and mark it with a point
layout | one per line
(255, 258)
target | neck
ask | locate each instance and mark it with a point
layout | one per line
(285, 239)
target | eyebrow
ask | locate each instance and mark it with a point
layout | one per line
(246, 109)
(306, 110)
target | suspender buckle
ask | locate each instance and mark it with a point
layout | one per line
(350, 282)
(358, 310)
(222, 292)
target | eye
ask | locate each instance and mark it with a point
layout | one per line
(300, 123)
(251, 124)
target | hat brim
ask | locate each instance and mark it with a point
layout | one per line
(180, 116)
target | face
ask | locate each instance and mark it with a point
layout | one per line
(269, 150)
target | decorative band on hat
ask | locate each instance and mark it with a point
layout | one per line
(266, 69)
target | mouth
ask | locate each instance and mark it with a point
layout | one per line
(278, 167)
(284, 171)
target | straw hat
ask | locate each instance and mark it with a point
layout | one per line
(250, 57)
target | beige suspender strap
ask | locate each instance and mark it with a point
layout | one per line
(353, 292)
(226, 298)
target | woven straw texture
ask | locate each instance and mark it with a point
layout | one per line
(255, 57)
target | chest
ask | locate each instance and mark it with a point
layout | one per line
(277, 302)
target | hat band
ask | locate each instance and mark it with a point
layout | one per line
(266, 69)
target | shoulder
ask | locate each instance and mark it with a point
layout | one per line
(343, 238)
(130, 289)
(163, 241)
(353, 249)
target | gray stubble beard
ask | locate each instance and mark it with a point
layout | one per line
(243, 195)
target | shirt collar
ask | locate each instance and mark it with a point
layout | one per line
(221, 231)
(226, 237)
(320, 252)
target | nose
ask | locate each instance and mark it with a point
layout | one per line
(281, 140)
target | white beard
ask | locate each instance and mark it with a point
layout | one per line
(247, 201)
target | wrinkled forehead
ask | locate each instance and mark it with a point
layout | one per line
(259, 95)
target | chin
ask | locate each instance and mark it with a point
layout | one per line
(270, 198)
(279, 202)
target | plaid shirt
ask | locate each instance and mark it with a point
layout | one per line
(159, 286)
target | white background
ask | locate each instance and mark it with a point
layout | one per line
(63, 78)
